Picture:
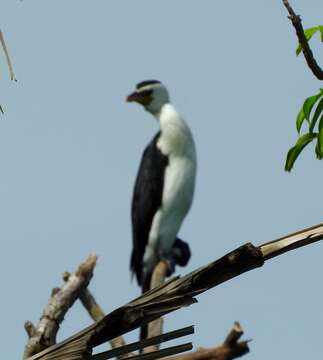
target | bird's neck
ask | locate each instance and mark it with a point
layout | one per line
(175, 135)
(167, 117)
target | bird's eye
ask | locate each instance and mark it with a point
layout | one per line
(146, 92)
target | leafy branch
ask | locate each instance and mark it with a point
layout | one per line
(309, 34)
(313, 118)
(303, 40)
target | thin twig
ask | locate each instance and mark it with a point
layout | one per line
(9, 63)
(308, 54)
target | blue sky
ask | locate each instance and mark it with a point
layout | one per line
(70, 147)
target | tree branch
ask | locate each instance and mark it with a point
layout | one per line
(292, 241)
(308, 54)
(44, 334)
(155, 327)
(230, 349)
(176, 293)
(96, 313)
(148, 342)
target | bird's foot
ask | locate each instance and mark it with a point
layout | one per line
(181, 252)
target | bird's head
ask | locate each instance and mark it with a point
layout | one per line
(151, 94)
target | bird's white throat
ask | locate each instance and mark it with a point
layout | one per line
(176, 137)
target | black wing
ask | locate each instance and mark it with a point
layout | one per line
(147, 197)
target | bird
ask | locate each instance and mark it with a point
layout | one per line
(164, 186)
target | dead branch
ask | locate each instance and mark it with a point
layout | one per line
(95, 311)
(230, 349)
(44, 334)
(176, 293)
(9, 63)
(138, 345)
(292, 241)
(308, 54)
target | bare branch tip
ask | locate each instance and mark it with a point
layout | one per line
(87, 266)
(30, 328)
(237, 327)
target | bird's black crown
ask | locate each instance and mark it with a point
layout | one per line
(146, 82)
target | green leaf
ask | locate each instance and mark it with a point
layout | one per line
(317, 153)
(309, 103)
(308, 34)
(321, 123)
(321, 30)
(299, 120)
(316, 115)
(294, 152)
(319, 145)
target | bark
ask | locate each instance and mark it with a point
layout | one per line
(44, 334)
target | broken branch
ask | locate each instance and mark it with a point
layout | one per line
(96, 313)
(44, 334)
(230, 349)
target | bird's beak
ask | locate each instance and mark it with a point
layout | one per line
(135, 97)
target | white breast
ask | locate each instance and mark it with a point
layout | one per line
(177, 198)
(177, 143)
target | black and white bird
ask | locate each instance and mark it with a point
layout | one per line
(164, 187)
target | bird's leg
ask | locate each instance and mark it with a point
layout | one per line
(169, 258)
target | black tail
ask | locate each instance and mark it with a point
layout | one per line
(181, 252)
(145, 286)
